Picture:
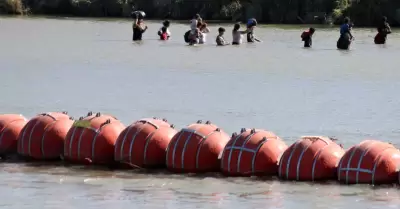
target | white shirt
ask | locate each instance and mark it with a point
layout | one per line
(237, 37)
(202, 38)
(193, 24)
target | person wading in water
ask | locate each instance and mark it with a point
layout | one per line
(237, 35)
(220, 40)
(346, 37)
(251, 24)
(164, 30)
(306, 36)
(138, 27)
(383, 31)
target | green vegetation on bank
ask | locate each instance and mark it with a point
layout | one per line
(362, 12)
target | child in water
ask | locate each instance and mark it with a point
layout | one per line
(164, 35)
(306, 36)
(220, 38)
(164, 28)
(237, 35)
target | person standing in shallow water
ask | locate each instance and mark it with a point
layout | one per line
(194, 28)
(138, 28)
(251, 24)
(220, 38)
(203, 33)
(237, 35)
(383, 31)
(164, 30)
(306, 36)
(346, 37)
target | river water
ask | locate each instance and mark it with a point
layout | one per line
(82, 65)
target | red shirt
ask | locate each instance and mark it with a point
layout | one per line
(305, 34)
(164, 36)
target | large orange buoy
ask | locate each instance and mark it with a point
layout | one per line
(10, 127)
(43, 136)
(92, 138)
(311, 158)
(196, 148)
(144, 143)
(370, 161)
(252, 152)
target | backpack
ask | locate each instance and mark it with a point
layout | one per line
(186, 36)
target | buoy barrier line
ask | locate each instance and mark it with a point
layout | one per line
(376, 165)
(184, 149)
(30, 137)
(355, 149)
(315, 161)
(362, 170)
(241, 150)
(95, 138)
(299, 160)
(144, 121)
(79, 143)
(290, 158)
(22, 139)
(281, 160)
(361, 159)
(1, 135)
(234, 144)
(4, 129)
(230, 153)
(313, 140)
(184, 130)
(121, 153)
(122, 145)
(173, 151)
(44, 135)
(191, 132)
(131, 144)
(354, 172)
(150, 136)
(82, 125)
(199, 146)
(253, 161)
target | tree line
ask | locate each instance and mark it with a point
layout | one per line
(361, 12)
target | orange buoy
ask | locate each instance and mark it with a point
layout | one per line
(252, 152)
(311, 158)
(370, 161)
(10, 127)
(92, 138)
(43, 136)
(144, 143)
(196, 148)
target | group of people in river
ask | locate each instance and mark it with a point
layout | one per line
(199, 30)
(346, 36)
